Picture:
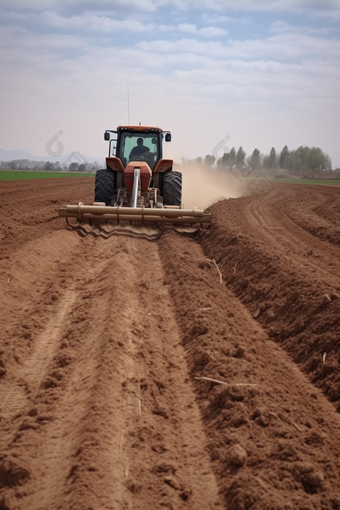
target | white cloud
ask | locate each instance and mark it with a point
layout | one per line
(279, 5)
(212, 31)
(188, 5)
(282, 27)
(100, 24)
(19, 44)
(205, 31)
(188, 28)
(216, 18)
(331, 15)
(94, 23)
(280, 46)
(83, 5)
(205, 64)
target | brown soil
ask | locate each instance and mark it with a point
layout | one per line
(108, 348)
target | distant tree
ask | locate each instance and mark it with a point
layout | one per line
(209, 160)
(255, 160)
(219, 162)
(239, 159)
(272, 161)
(305, 159)
(23, 164)
(73, 167)
(228, 159)
(318, 161)
(93, 167)
(12, 165)
(82, 167)
(299, 159)
(232, 157)
(27, 164)
(293, 162)
(283, 156)
(48, 167)
(199, 161)
(223, 161)
(265, 162)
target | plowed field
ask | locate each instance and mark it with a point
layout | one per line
(133, 375)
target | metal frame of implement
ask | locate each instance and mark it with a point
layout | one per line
(141, 214)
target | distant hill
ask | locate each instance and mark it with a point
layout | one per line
(6, 155)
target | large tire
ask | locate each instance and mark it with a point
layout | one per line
(104, 186)
(172, 188)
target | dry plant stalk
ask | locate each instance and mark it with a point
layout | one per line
(222, 382)
(218, 267)
(139, 398)
(188, 350)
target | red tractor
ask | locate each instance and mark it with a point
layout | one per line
(138, 184)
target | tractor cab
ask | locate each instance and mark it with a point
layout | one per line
(139, 147)
(138, 143)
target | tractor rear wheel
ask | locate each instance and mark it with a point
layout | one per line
(104, 186)
(172, 188)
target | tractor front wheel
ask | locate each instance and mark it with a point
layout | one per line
(104, 186)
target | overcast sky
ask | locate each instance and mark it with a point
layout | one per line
(264, 73)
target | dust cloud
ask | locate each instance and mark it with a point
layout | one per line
(202, 187)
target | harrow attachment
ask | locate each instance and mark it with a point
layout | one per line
(143, 215)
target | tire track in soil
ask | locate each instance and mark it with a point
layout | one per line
(29, 208)
(34, 310)
(31, 374)
(274, 444)
(295, 241)
(114, 422)
(286, 276)
(35, 307)
(317, 212)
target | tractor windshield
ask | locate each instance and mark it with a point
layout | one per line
(139, 147)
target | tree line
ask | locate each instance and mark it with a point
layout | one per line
(298, 161)
(48, 166)
(303, 160)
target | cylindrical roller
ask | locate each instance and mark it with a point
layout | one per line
(93, 209)
(63, 213)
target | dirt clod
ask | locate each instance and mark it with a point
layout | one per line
(12, 473)
(237, 455)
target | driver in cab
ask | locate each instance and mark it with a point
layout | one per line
(140, 149)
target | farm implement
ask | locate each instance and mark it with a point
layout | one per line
(138, 184)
